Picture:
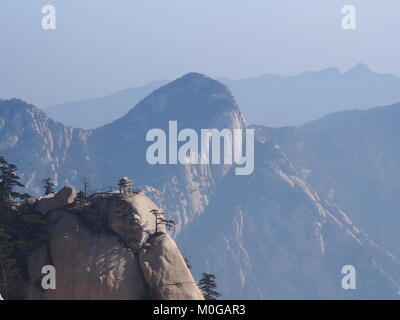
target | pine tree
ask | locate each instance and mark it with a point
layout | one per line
(158, 216)
(170, 224)
(86, 186)
(48, 186)
(22, 229)
(80, 197)
(187, 261)
(208, 285)
(8, 265)
(8, 181)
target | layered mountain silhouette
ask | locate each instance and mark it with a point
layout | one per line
(41, 146)
(93, 113)
(194, 101)
(285, 231)
(351, 158)
(276, 101)
(271, 236)
(270, 100)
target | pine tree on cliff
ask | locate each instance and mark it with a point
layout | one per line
(160, 220)
(22, 229)
(208, 285)
(8, 181)
(187, 261)
(80, 198)
(8, 265)
(157, 215)
(48, 186)
(86, 186)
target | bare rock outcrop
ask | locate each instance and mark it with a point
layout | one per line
(58, 200)
(166, 272)
(128, 216)
(90, 265)
(104, 264)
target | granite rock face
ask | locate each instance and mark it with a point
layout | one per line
(283, 232)
(42, 147)
(352, 159)
(89, 265)
(194, 101)
(58, 200)
(130, 217)
(165, 270)
(271, 236)
(104, 265)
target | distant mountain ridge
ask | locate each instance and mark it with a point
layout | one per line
(93, 113)
(278, 233)
(42, 146)
(277, 101)
(271, 100)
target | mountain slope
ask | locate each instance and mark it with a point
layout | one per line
(270, 100)
(106, 247)
(353, 159)
(278, 233)
(279, 101)
(93, 113)
(42, 147)
(194, 101)
(270, 236)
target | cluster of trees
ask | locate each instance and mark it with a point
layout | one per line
(22, 229)
(89, 214)
(160, 220)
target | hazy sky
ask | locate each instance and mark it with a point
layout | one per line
(102, 46)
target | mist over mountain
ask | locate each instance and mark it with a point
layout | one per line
(42, 147)
(276, 101)
(93, 113)
(284, 231)
(271, 236)
(353, 159)
(270, 100)
(194, 101)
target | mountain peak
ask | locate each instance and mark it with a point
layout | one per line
(359, 68)
(194, 76)
(15, 102)
(194, 91)
(195, 80)
(14, 106)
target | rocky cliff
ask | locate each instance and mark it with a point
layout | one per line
(42, 146)
(195, 101)
(106, 247)
(271, 236)
(351, 158)
(283, 232)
